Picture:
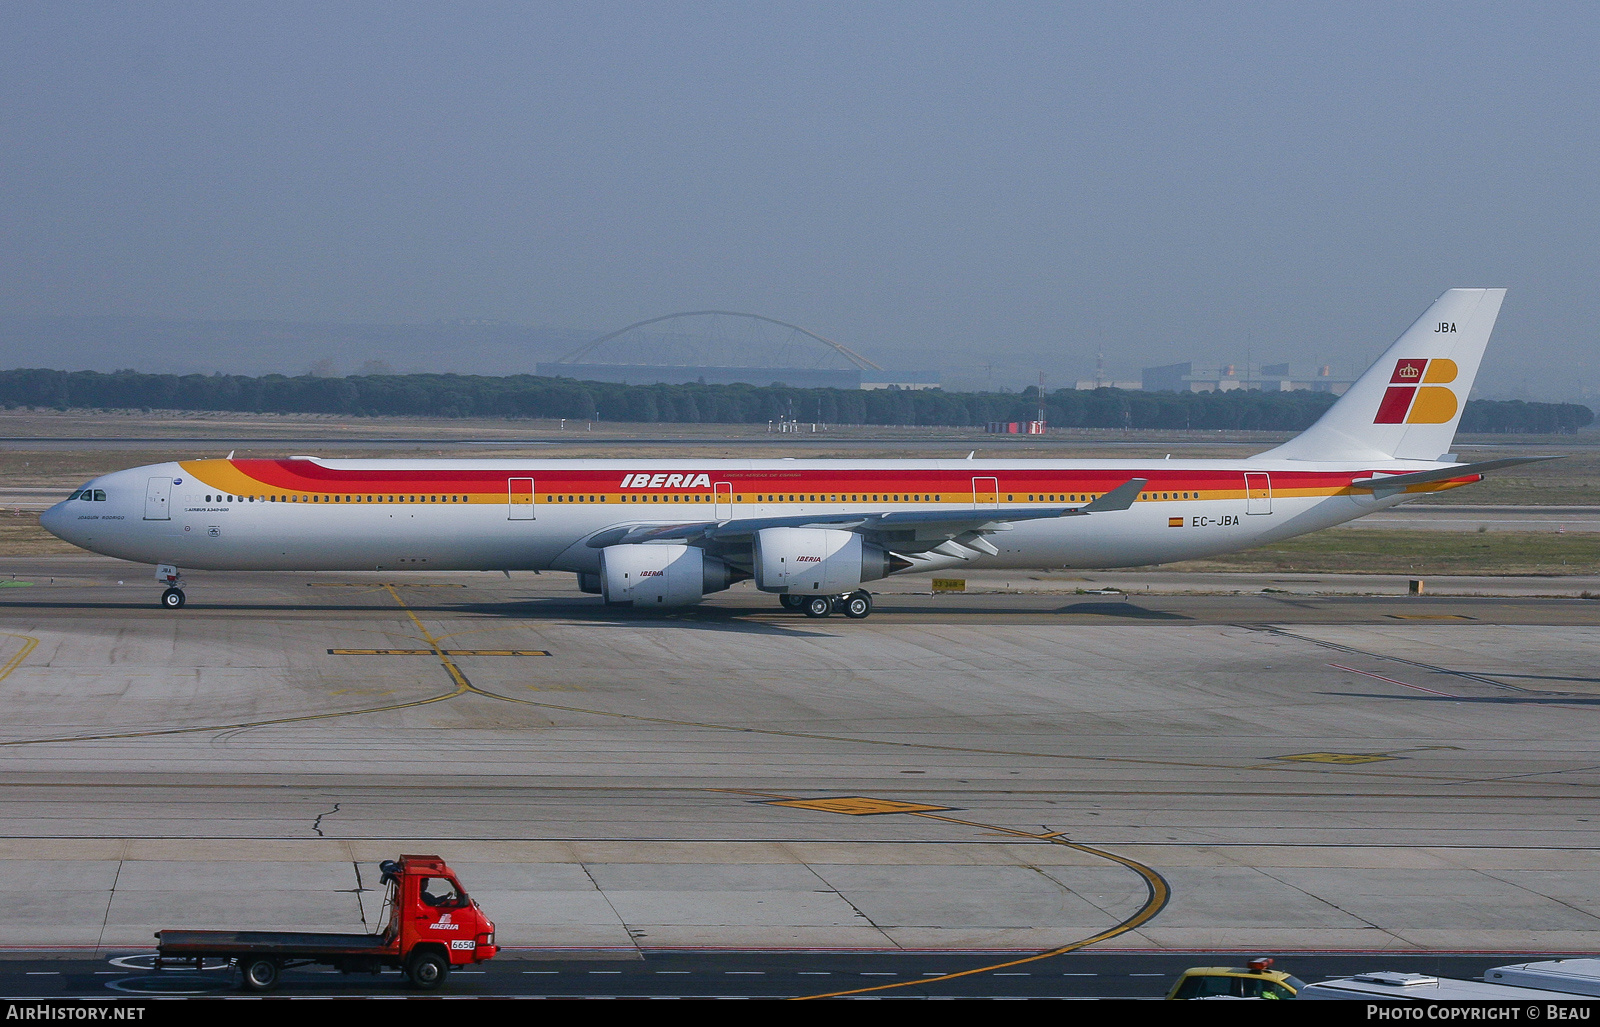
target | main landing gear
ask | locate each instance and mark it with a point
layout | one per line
(855, 605)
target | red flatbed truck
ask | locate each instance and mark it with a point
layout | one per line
(433, 926)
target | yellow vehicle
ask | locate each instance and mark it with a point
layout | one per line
(1255, 979)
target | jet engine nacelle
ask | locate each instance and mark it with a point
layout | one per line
(818, 561)
(660, 575)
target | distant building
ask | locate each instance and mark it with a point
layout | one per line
(1265, 378)
(1090, 384)
(794, 377)
(914, 380)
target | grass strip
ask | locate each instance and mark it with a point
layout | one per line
(1370, 551)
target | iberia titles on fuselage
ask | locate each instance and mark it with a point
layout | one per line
(666, 533)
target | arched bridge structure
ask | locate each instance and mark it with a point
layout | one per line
(589, 347)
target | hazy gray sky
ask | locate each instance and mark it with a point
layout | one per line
(944, 184)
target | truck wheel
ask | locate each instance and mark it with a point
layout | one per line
(259, 974)
(427, 970)
(791, 602)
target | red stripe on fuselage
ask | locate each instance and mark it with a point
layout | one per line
(309, 476)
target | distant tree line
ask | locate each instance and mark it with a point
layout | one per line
(527, 396)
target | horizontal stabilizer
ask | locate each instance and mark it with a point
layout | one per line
(1391, 482)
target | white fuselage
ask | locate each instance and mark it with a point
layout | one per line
(514, 515)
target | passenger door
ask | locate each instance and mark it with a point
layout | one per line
(986, 493)
(158, 499)
(1257, 493)
(433, 917)
(519, 499)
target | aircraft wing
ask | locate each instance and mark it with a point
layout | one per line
(900, 530)
(1395, 482)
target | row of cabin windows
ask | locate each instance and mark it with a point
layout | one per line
(230, 498)
(1074, 497)
(792, 498)
(861, 498)
(1087, 497)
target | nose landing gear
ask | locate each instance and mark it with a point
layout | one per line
(173, 598)
(855, 605)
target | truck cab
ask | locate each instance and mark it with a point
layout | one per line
(430, 911)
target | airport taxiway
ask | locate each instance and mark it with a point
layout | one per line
(1007, 772)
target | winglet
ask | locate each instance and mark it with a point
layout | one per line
(1119, 498)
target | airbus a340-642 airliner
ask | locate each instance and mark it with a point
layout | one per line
(665, 533)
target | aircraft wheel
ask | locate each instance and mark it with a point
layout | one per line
(259, 973)
(791, 602)
(172, 598)
(819, 606)
(857, 605)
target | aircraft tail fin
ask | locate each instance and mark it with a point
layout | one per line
(1407, 405)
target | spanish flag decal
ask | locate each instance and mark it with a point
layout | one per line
(1174, 522)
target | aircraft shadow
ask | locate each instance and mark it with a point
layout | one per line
(1125, 610)
(711, 617)
(704, 617)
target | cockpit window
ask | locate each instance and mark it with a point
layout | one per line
(75, 495)
(99, 495)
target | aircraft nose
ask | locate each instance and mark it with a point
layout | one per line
(55, 520)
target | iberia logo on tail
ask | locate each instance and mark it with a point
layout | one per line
(1416, 393)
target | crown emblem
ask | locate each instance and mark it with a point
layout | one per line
(1409, 371)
